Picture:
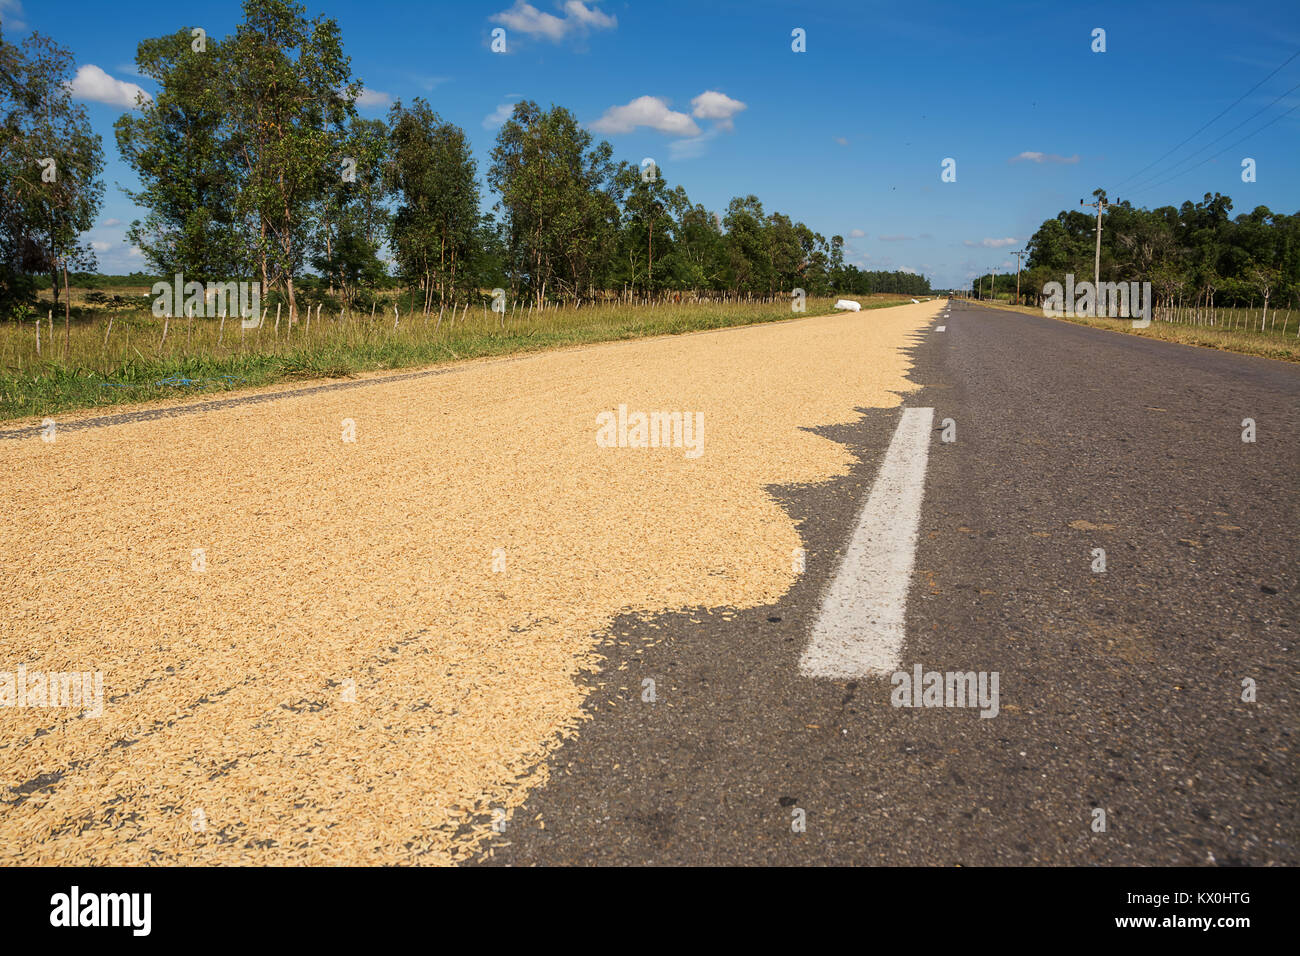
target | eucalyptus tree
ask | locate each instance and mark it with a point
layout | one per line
(785, 253)
(646, 228)
(50, 167)
(836, 262)
(699, 247)
(558, 200)
(351, 216)
(291, 97)
(434, 177)
(748, 260)
(189, 179)
(813, 273)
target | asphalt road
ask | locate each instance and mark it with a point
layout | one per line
(1119, 691)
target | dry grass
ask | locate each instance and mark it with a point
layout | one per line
(126, 363)
(1275, 344)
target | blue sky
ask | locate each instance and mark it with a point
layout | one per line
(848, 136)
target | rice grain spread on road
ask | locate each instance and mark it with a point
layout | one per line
(312, 649)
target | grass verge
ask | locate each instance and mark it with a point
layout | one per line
(198, 356)
(1272, 345)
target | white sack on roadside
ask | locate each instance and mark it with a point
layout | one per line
(848, 304)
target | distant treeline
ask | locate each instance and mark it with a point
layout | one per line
(135, 280)
(1195, 254)
(94, 280)
(254, 164)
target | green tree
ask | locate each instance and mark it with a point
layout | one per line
(177, 146)
(290, 98)
(647, 228)
(559, 200)
(50, 167)
(784, 253)
(435, 179)
(748, 261)
(699, 248)
(351, 216)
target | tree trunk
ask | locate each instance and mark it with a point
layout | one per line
(67, 312)
(293, 299)
(261, 255)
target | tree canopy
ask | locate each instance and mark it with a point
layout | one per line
(253, 164)
(1197, 251)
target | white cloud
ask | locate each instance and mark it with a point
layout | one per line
(1033, 157)
(13, 13)
(115, 257)
(857, 234)
(426, 82)
(990, 243)
(109, 223)
(720, 107)
(653, 112)
(895, 238)
(648, 111)
(93, 84)
(589, 16)
(498, 116)
(578, 18)
(841, 140)
(692, 147)
(527, 19)
(369, 97)
(909, 270)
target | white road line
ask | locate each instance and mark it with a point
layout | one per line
(860, 629)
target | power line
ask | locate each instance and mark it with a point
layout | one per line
(1212, 121)
(1150, 179)
(1022, 252)
(1224, 150)
(1264, 109)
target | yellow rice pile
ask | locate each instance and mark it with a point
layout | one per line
(349, 680)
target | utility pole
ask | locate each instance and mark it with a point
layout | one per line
(1100, 205)
(1022, 252)
(993, 282)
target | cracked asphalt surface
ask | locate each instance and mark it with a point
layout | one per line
(1120, 690)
